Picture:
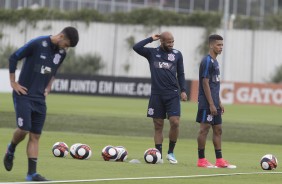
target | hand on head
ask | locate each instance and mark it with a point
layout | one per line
(156, 37)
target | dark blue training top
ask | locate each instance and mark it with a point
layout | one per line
(41, 60)
(167, 70)
(209, 68)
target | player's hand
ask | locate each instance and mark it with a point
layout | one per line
(213, 110)
(183, 96)
(222, 109)
(156, 37)
(19, 89)
(46, 92)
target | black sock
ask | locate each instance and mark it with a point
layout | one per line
(171, 146)
(12, 147)
(160, 148)
(218, 153)
(32, 162)
(201, 153)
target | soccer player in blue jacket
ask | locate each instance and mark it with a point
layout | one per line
(167, 87)
(42, 58)
(210, 108)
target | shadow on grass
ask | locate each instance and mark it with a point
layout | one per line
(232, 131)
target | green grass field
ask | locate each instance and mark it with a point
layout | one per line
(249, 133)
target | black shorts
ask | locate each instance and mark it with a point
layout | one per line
(204, 116)
(164, 106)
(30, 115)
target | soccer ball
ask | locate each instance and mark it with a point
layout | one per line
(60, 149)
(73, 150)
(83, 151)
(122, 153)
(80, 151)
(152, 156)
(268, 162)
(109, 153)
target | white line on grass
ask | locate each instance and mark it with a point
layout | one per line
(147, 178)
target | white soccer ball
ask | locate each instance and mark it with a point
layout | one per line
(83, 151)
(122, 153)
(268, 162)
(73, 150)
(152, 156)
(109, 153)
(60, 149)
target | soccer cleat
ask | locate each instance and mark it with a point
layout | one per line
(221, 163)
(35, 177)
(171, 158)
(8, 159)
(205, 163)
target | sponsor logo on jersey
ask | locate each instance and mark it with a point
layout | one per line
(44, 43)
(20, 122)
(175, 51)
(56, 59)
(171, 57)
(163, 65)
(158, 55)
(151, 111)
(45, 69)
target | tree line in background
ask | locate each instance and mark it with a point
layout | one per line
(91, 64)
(147, 16)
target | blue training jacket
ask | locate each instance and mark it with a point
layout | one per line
(167, 70)
(41, 60)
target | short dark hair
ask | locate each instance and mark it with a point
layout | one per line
(72, 35)
(214, 37)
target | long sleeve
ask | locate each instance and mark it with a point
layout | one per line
(181, 74)
(21, 53)
(140, 49)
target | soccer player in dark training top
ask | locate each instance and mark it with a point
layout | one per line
(42, 57)
(210, 108)
(167, 87)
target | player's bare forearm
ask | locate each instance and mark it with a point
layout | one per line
(221, 106)
(208, 95)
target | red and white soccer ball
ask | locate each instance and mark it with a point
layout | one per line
(60, 149)
(122, 153)
(80, 151)
(73, 150)
(152, 156)
(109, 153)
(268, 162)
(83, 152)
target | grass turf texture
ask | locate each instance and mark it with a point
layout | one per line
(245, 155)
(123, 116)
(122, 121)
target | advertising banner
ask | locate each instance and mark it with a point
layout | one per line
(103, 85)
(245, 93)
